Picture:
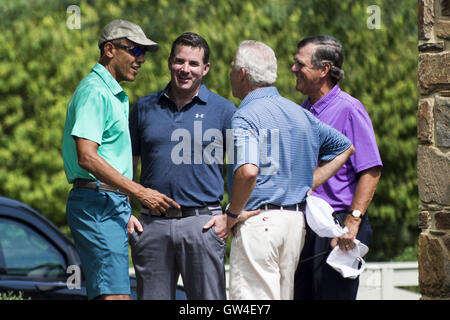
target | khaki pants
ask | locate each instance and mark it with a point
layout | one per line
(264, 255)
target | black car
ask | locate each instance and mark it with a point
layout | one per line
(35, 255)
(37, 259)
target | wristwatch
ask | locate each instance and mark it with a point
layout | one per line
(229, 213)
(356, 213)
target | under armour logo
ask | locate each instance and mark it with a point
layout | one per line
(199, 115)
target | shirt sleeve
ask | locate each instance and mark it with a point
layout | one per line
(227, 124)
(245, 143)
(332, 142)
(360, 131)
(134, 131)
(90, 116)
(228, 144)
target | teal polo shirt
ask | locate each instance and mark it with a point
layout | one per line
(98, 111)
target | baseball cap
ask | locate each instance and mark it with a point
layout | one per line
(125, 29)
(320, 219)
(350, 264)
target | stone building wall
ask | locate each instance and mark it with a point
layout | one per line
(433, 165)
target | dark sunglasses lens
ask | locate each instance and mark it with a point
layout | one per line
(136, 51)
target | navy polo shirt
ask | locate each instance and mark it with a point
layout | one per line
(182, 152)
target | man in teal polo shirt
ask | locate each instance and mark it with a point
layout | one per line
(98, 162)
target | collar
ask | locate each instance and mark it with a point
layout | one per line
(258, 94)
(109, 80)
(323, 102)
(201, 95)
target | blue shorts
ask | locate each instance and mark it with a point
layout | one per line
(98, 222)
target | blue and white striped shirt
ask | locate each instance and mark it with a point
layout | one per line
(285, 142)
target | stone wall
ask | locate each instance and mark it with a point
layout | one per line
(433, 165)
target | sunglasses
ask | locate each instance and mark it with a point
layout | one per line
(133, 50)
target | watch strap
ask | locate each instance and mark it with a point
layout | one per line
(231, 215)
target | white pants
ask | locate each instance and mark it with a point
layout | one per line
(264, 255)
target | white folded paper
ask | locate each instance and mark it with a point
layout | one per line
(320, 219)
(349, 264)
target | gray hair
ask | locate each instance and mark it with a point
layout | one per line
(328, 51)
(259, 62)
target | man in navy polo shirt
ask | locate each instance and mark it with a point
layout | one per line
(179, 134)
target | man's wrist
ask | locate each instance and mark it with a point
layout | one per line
(138, 191)
(231, 214)
(356, 213)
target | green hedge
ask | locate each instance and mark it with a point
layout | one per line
(42, 61)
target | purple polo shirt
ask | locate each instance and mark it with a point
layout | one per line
(346, 114)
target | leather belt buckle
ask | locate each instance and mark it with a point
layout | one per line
(173, 212)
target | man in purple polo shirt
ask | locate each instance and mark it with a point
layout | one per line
(317, 67)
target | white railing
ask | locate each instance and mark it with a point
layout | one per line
(380, 281)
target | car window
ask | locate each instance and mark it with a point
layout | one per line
(27, 253)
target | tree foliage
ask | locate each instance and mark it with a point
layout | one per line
(42, 62)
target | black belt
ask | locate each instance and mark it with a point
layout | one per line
(92, 184)
(292, 207)
(183, 211)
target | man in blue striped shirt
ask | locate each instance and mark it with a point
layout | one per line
(281, 151)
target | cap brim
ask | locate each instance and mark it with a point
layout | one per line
(151, 45)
